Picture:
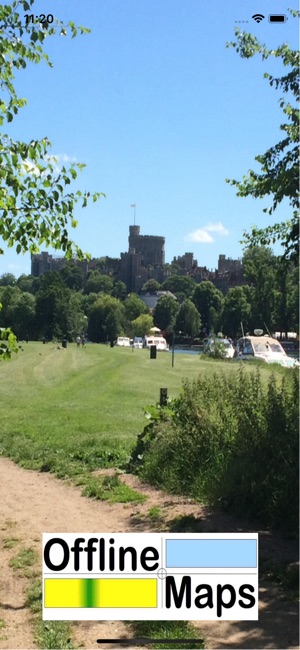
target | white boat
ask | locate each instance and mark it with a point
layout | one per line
(159, 341)
(123, 341)
(264, 348)
(224, 343)
(138, 342)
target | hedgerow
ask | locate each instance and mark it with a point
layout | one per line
(228, 439)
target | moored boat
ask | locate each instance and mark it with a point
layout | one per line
(264, 348)
(159, 341)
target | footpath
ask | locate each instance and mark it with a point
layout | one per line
(32, 503)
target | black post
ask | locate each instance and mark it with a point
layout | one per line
(173, 348)
(163, 396)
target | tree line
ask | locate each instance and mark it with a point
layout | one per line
(65, 303)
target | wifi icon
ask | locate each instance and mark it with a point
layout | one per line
(258, 18)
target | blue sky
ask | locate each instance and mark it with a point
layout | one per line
(161, 113)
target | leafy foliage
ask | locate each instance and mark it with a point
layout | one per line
(151, 286)
(134, 307)
(36, 206)
(106, 319)
(179, 284)
(142, 325)
(164, 313)
(8, 343)
(216, 348)
(278, 177)
(188, 319)
(259, 265)
(208, 300)
(236, 310)
(232, 440)
(97, 283)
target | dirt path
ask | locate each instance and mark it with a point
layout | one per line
(32, 503)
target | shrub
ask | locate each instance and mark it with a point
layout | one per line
(215, 348)
(229, 439)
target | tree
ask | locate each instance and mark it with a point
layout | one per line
(142, 325)
(35, 206)
(106, 319)
(293, 299)
(151, 286)
(188, 319)
(88, 302)
(100, 264)
(278, 177)
(22, 316)
(134, 307)
(77, 320)
(208, 300)
(52, 307)
(7, 279)
(259, 266)
(26, 283)
(164, 313)
(72, 276)
(236, 310)
(9, 297)
(97, 283)
(119, 290)
(179, 284)
(286, 298)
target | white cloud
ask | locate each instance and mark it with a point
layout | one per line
(202, 235)
(216, 227)
(62, 158)
(56, 160)
(28, 167)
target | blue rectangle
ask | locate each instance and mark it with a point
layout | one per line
(211, 553)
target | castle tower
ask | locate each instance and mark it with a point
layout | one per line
(134, 234)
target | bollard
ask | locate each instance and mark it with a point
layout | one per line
(152, 351)
(163, 396)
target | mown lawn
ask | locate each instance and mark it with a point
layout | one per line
(65, 409)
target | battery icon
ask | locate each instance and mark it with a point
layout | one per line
(277, 18)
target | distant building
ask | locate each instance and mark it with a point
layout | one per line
(144, 260)
(151, 247)
(151, 300)
(229, 274)
(228, 264)
(186, 262)
(43, 262)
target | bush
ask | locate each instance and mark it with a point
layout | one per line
(215, 348)
(229, 439)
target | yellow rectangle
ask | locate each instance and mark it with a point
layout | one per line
(131, 592)
(63, 593)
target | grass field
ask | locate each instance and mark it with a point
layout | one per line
(73, 410)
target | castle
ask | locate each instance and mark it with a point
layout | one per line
(144, 260)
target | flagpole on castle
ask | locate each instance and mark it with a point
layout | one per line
(133, 206)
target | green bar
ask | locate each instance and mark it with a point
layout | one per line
(89, 592)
